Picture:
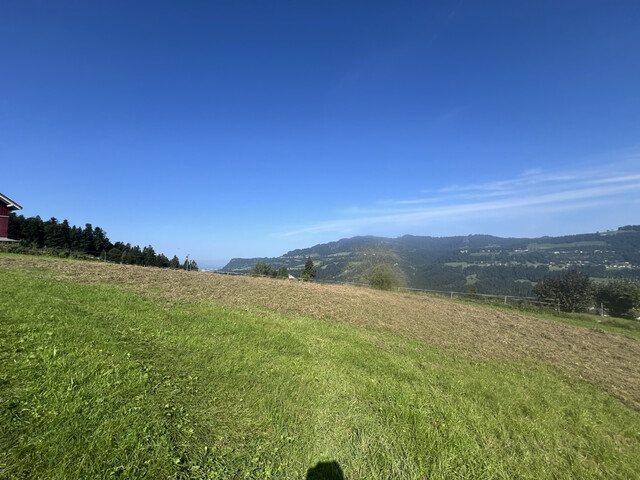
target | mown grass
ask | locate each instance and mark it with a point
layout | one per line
(99, 382)
(620, 326)
(610, 324)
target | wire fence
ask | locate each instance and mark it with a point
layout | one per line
(504, 299)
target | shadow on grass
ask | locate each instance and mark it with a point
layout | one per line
(325, 471)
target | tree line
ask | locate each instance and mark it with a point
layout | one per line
(574, 291)
(268, 270)
(63, 239)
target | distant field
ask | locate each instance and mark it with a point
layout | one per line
(111, 371)
(564, 246)
(472, 279)
(458, 264)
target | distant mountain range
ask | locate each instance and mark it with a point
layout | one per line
(488, 264)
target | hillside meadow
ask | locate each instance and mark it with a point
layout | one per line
(112, 371)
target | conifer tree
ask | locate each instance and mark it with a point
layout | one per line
(174, 262)
(309, 272)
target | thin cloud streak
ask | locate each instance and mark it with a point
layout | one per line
(536, 194)
(541, 179)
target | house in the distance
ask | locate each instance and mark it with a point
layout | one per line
(6, 207)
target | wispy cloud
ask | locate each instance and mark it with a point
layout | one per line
(528, 179)
(534, 193)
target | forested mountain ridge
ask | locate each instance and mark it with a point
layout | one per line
(488, 264)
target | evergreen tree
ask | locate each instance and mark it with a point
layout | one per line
(65, 233)
(162, 261)
(190, 265)
(33, 232)
(114, 255)
(135, 256)
(174, 262)
(124, 259)
(309, 272)
(53, 234)
(100, 240)
(87, 240)
(75, 238)
(148, 256)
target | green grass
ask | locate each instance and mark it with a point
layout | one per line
(458, 264)
(471, 279)
(610, 324)
(621, 326)
(97, 382)
(564, 246)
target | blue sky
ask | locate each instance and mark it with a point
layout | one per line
(240, 129)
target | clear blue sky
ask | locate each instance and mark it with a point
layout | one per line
(226, 129)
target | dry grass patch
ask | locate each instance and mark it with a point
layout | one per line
(607, 359)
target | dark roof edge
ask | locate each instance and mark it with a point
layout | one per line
(10, 203)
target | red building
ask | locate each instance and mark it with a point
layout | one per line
(6, 207)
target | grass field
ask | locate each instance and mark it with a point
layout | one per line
(556, 246)
(126, 372)
(590, 321)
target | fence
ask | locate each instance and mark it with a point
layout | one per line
(452, 294)
(505, 299)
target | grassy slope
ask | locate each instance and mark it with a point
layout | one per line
(100, 381)
(620, 326)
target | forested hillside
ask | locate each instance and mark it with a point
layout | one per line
(482, 263)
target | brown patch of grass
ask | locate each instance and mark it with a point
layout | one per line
(604, 358)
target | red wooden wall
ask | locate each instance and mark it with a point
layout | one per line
(4, 221)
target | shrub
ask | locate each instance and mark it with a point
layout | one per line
(263, 269)
(382, 277)
(572, 290)
(620, 297)
(283, 272)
